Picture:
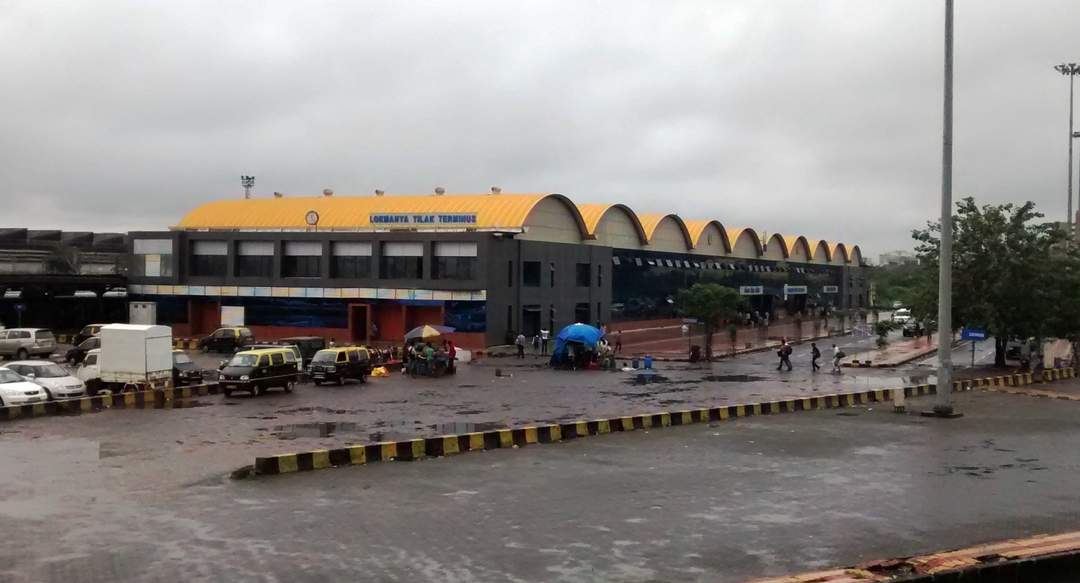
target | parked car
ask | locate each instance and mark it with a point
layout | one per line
(295, 350)
(184, 371)
(78, 353)
(337, 364)
(901, 316)
(255, 371)
(308, 346)
(22, 343)
(57, 382)
(88, 331)
(226, 339)
(89, 372)
(15, 390)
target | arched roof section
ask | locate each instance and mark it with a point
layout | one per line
(745, 243)
(663, 233)
(821, 251)
(856, 255)
(492, 211)
(553, 218)
(709, 237)
(798, 249)
(613, 225)
(777, 248)
(838, 254)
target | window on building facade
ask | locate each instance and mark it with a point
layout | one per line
(255, 259)
(530, 273)
(583, 273)
(581, 313)
(402, 260)
(510, 273)
(454, 261)
(302, 259)
(153, 258)
(600, 275)
(551, 273)
(350, 259)
(208, 258)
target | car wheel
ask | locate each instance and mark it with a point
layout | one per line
(318, 383)
(340, 381)
(289, 386)
(22, 354)
(48, 395)
(259, 390)
(363, 379)
(227, 393)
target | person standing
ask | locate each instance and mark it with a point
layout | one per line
(520, 342)
(785, 360)
(837, 355)
(618, 341)
(544, 335)
(374, 331)
(815, 354)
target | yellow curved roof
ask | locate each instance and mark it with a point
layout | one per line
(697, 229)
(352, 212)
(592, 214)
(813, 245)
(649, 223)
(791, 242)
(832, 251)
(734, 234)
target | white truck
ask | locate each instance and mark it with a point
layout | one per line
(135, 357)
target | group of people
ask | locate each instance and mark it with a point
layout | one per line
(428, 358)
(785, 350)
(540, 342)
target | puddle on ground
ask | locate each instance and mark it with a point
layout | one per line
(732, 378)
(387, 431)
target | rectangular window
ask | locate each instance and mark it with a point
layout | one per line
(510, 273)
(255, 259)
(581, 313)
(350, 259)
(454, 261)
(153, 258)
(551, 272)
(302, 259)
(208, 258)
(402, 260)
(599, 312)
(530, 274)
(509, 318)
(583, 272)
(600, 275)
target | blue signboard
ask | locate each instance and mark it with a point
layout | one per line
(972, 334)
(20, 307)
(794, 290)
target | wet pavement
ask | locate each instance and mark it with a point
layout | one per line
(720, 502)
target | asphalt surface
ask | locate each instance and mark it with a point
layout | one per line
(722, 502)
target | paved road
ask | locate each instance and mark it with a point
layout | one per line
(754, 497)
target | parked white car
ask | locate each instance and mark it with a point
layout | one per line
(57, 382)
(901, 316)
(15, 390)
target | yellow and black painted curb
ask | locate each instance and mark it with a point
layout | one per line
(176, 397)
(447, 445)
(186, 343)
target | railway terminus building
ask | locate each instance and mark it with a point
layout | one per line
(363, 268)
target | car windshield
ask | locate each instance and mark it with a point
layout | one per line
(6, 376)
(48, 371)
(325, 356)
(181, 358)
(244, 360)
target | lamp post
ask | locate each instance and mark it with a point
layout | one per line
(943, 405)
(248, 182)
(1071, 70)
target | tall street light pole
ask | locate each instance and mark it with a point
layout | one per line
(943, 405)
(1071, 70)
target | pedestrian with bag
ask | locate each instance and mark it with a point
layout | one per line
(837, 355)
(815, 354)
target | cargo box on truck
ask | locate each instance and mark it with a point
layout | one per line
(136, 357)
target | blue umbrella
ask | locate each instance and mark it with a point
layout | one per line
(583, 334)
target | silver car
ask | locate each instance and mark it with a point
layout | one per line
(22, 343)
(57, 382)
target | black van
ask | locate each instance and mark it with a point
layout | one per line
(337, 364)
(308, 346)
(255, 371)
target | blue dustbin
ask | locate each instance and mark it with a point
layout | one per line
(634, 363)
(648, 362)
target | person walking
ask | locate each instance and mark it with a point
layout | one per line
(815, 354)
(786, 358)
(520, 342)
(544, 335)
(837, 355)
(618, 341)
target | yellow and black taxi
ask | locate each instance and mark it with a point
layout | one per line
(255, 371)
(226, 339)
(334, 365)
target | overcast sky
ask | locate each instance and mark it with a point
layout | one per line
(808, 117)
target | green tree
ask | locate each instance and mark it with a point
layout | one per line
(712, 304)
(1007, 273)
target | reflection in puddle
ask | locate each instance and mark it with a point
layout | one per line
(732, 378)
(385, 430)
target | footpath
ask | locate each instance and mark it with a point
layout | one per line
(895, 354)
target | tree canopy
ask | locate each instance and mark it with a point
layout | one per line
(712, 304)
(1013, 275)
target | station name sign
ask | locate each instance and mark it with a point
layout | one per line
(794, 290)
(751, 290)
(408, 220)
(830, 289)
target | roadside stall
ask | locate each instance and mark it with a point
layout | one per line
(576, 346)
(427, 353)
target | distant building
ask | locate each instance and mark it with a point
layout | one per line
(897, 258)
